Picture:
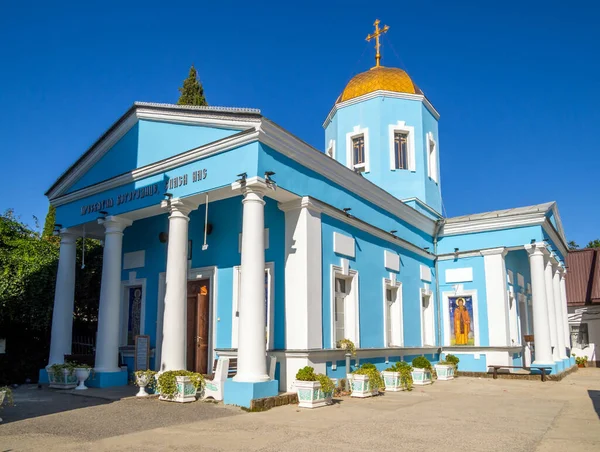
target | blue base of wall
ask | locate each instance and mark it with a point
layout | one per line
(43, 376)
(554, 367)
(107, 379)
(241, 393)
(572, 360)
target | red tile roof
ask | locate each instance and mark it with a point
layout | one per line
(583, 277)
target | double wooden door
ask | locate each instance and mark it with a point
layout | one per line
(198, 296)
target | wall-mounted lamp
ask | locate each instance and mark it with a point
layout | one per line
(347, 210)
(425, 247)
(242, 178)
(103, 215)
(209, 228)
(168, 196)
(163, 237)
(268, 179)
(393, 231)
(455, 250)
(532, 241)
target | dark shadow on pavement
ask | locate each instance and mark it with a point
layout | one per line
(595, 396)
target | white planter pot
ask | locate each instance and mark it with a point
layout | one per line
(186, 392)
(361, 386)
(142, 381)
(444, 372)
(310, 394)
(421, 377)
(392, 381)
(81, 374)
(63, 379)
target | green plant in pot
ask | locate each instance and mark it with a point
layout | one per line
(179, 385)
(145, 379)
(421, 372)
(348, 345)
(62, 376)
(445, 369)
(581, 361)
(366, 381)
(314, 390)
(398, 377)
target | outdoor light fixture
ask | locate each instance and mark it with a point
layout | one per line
(163, 237)
(425, 247)
(168, 196)
(102, 215)
(455, 250)
(270, 182)
(347, 210)
(532, 241)
(393, 231)
(242, 178)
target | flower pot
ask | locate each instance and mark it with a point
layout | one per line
(142, 381)
(361, 386)
(185, 392)
(310, 394)
(421, 377)
(82, 374)
(445, 372)
(580, 365)
(62, 379)
(392, 381)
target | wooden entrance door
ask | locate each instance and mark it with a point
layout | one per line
(198, 325)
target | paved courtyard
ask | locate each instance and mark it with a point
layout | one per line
(468, 414)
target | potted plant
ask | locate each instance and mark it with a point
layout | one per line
(62, 376)
(82, 373)
(421, 372)
(348, 345)
(446, 368)
(5, 393)
(179, 385)
(144, 378)
(581, 361)
(365, 381)
(398, 377)
(314, 390)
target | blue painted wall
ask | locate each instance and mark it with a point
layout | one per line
(376, 115)
(490, 239)
(478, 284)
(369, 262)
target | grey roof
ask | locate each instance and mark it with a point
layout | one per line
(197, 107)
(545, 207)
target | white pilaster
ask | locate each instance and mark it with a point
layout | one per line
(107, 343)
(497, 297)
(562, 349)
(563, 298)
(174, 341)
(64, 298)
(303, 275)
(551, 309)
(541, 328)
(252, 360)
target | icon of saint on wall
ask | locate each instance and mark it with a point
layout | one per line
(462, 309)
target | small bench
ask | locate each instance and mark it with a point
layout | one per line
(541, 369)
(232, 370)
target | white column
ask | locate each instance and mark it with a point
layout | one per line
(541, 328)
(497, 297)
(563, 298)
(109, 311)
(64, 298)
(252, 360)
(551, 308)
(560, 325)
(174, 342)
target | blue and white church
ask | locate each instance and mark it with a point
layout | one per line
(226, 235)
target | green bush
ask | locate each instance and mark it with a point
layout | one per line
(451, 359)
(404, 369)
(308, 374)
(167, 383)
(420, 362)
(371, 371)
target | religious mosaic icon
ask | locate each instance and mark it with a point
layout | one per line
(461, 320)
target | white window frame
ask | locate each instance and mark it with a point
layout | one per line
(427, 293)
(357, 131)
(397, 333)
(446, 315)
(237, 275)
(351, 306)
(401, 127)
(330, 152)
(125, 286)
(513, 318)
(432, 158)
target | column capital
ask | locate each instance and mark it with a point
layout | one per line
(179, 207)
(492, 251)
(255, 185)
(305, 202)
(537, 249)
(114, 225)
(67, 236)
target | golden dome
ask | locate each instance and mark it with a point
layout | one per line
(379, 78)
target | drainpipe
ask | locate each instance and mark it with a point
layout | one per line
(438, 227)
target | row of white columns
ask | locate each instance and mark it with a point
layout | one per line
(550, 322)
(252, 363)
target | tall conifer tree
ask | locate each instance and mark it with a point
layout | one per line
(192, 92)
(49, 222)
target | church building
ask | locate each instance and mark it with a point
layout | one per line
(226, 235)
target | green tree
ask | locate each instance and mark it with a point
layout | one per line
(573, 245)
(48, 230)
(192, 92)
(594, 244)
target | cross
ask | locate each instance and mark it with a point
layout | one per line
(376, 35)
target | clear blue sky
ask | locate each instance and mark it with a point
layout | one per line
(516, 83)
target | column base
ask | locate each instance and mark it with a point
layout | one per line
(107, 379)
(242, 393)
(553, 366)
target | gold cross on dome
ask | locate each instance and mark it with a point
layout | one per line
(376, 35)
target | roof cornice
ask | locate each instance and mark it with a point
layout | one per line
(381, 93)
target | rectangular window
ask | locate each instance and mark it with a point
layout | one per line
(340, 302)
(432, 160)
(358, 152)
(427, 319)
(401, 150)
(390, 298)
(579, 335)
